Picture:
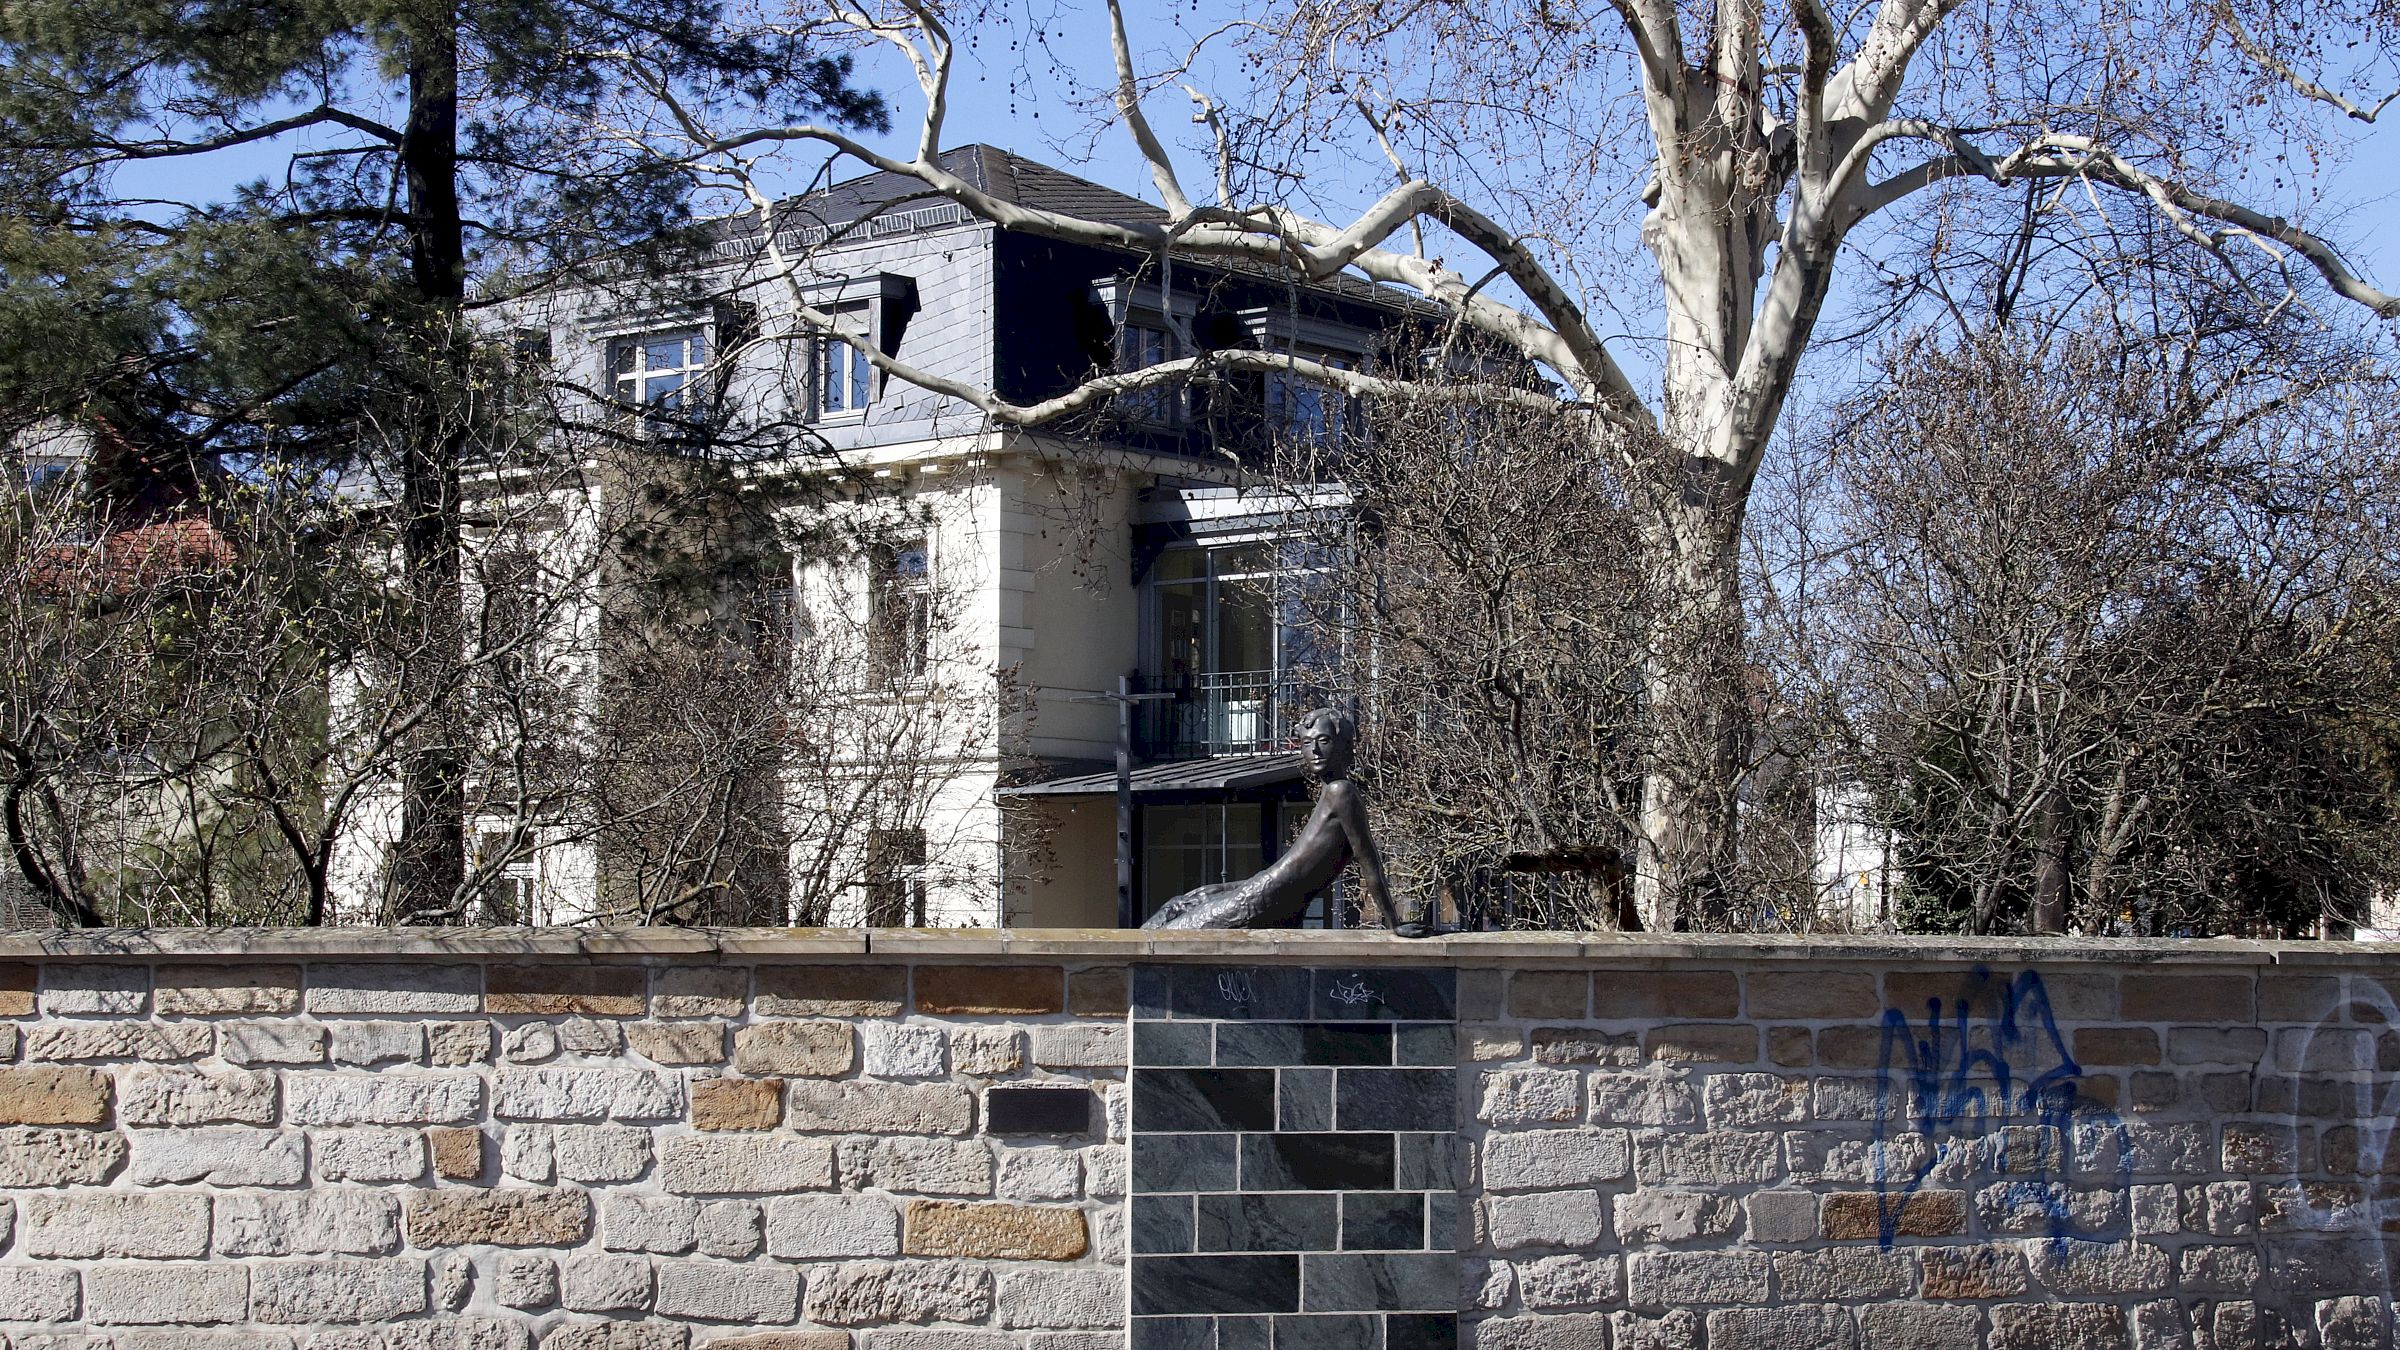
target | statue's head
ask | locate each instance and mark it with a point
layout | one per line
(1329, 738)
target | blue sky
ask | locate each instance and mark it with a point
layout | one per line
(1011, 94)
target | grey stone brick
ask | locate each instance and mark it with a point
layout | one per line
(368, 1155)
(2057, 1326)
(918, 1166)
(272, 1042)
(372, 1043)
(1747, 1100)
(1566, 1331)
(746, 1165)
(1782, 1216)
(1060, 1298)
(86, 1226)
(1677, 1279)
(1714, 1158)
(605, 1283)
(150, 1094)
(728, 1228)
(1669, 1216)
(144, 1294)
(1086, 1046)
(1920, 1326)
(866, 1292)
(1799, 1327)
(821, 1227)
(382, 1099)
(525, 1280)
(863, 1107)
(587, 1094)
(1843, 1273)
(161, 1042)
(343, 1220)
(219, 1157)
(1559, 1218)
(59, 1157)
(1676, 1330)
(720, 1291)
(395, 987)
(1548, 1159)
(38, 1294)
(1571, 1281)
(1529, 1097)
(665, 1224)
(95, 990)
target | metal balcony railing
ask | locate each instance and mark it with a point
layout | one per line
(1233, 712)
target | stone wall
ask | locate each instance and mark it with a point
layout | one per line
(351, 1140)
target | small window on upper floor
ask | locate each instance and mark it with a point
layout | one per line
(844, 381)
(1302, 411)
(1144, 344)
(660, 370)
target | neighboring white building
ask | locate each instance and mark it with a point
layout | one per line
(1037, 568)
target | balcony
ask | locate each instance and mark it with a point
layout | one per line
(1233, 712)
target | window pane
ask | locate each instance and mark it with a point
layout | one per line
(1245, 626)
(1244, 559)
(663, 353)
(859, 373)
(1180, 564)
(661, 390)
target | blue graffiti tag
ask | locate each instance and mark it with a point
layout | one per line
(1957, 1090)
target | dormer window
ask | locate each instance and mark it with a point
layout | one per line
(1304, 412)
(1144, 344)
(875, 309)
(659, 370)
(845, 379)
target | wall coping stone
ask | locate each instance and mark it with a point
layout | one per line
(661, 946)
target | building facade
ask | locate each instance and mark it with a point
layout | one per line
(995, 591)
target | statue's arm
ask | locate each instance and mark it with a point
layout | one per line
(1352, 810)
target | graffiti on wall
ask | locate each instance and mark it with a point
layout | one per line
(1985, 1083)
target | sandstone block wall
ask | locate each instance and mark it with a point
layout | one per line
(503, 1141)
(2023, 1156)
(476, 1154)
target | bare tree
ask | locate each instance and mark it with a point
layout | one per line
(1481, 589)
(2099, 623)
(1748, 149)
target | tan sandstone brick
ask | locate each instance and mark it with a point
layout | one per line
(782, 1340)
(737, 1103)
(832, 991)
(53, 1096)
(17, 983)
(1970, 1272)
(1817, 995)
(994, 1231)
(677, 1042)
(548, 990)
(1631, 995)
(1702, 1042)
(195, 990)
(2116, 1045)
(512, 1218)
(1851, 1215)
(457, 1152)
(795, 1049)
(988, 991)
(1537, 995)
(1102, 991)
(700, 991)
(2183, 997)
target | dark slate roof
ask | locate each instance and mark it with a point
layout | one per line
(1010, 177)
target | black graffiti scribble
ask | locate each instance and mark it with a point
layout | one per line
(1958, 1091)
